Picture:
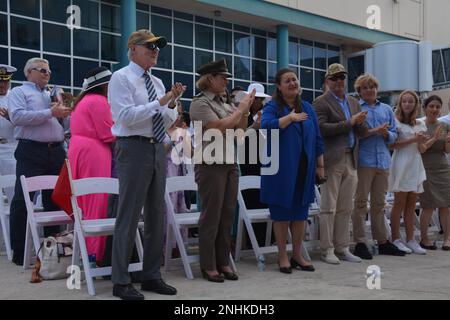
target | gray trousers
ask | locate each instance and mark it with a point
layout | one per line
(142, 181)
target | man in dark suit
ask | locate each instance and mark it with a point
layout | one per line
(341, 124)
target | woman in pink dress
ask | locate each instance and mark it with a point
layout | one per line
(90, 152)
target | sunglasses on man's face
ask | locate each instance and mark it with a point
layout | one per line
(42, 70)
(336, 78)
(151, 46)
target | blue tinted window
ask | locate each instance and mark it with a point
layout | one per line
(202, 57)
(187, 80)
(60, 67)
(259, 71)
(320, 58)
(165, 57)
(25, 33)
(259, 47)
(183, 32)
(165, 76)
(20, 58)
(306, 56)
(319, 80)
(242, 44)
(224, 40)
(89, 13)
(29, 8)
(55, 10)
(4, 28)
(272, 72)
(81, 67)
(142, 20)
(242, 68)
(272, 49)
(293, 53)
(183, 59)
(110, 47)
(203, 37)
(85, 43)
(4, 56)
(111, 20)
(162, 26)
(3, 5)
(56, 38)
(306, 78)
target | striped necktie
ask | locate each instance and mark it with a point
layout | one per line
(158, 123)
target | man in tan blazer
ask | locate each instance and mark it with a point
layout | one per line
(341, 123)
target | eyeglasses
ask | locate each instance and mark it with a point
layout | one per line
(42, 70)
(336, 78)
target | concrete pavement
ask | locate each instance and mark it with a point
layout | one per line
(411, 277)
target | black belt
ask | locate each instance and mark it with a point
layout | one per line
(348, 150)
(140, 138)
(43, 144)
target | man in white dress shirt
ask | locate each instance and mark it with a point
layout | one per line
(141, 110)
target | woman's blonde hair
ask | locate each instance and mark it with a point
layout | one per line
(203, 83)
(399, 112)
(365, 78)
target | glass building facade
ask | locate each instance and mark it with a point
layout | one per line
(38, 28)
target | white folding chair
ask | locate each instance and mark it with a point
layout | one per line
(177, 221)
(37, 219)
(6, 182)
(249, 216)
(95, 227)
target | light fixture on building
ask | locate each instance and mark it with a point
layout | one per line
(217, 13)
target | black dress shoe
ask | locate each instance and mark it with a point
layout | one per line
(390, 249)
(213, 278)
(18, 258)
(127, 292)
(446, 248)
(158, 286)
(297, 265)
(287, 270)
(362, 251)
(430, 247)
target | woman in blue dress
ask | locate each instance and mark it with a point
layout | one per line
(290, 191)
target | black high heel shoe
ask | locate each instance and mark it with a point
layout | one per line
(229, 275)
(287, 270)
(428, 247)
(297, 265)
(213, 278)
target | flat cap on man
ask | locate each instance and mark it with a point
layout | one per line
(6, 72)
(334, 69)
(214, 67)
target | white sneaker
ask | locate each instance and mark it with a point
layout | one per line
(401, 246)
(348, 256)
(329, 257)
(415, 247)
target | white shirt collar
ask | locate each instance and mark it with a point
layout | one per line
(137, 69)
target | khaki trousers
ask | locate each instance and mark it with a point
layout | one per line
(375, 182)
(336, 204)
(217, 188)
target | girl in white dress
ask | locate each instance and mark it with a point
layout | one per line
(407, 172)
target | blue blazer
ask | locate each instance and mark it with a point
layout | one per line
(279, 189)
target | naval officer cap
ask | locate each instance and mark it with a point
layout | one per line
(6, 72)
